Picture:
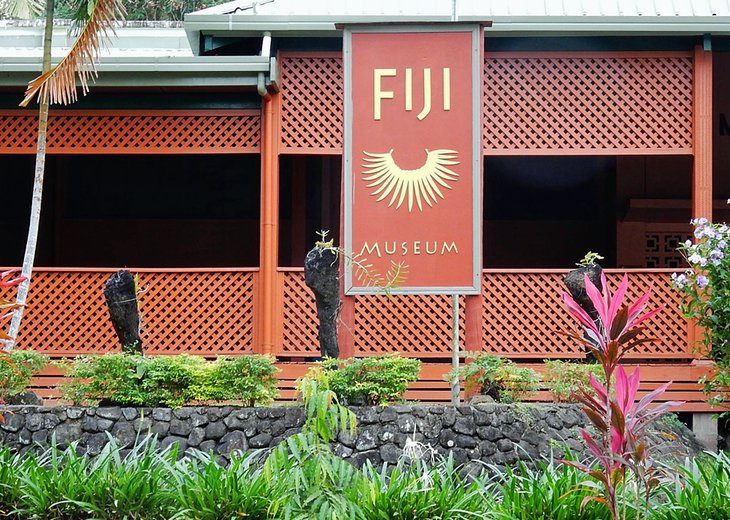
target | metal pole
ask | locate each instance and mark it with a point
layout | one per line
(455, 387)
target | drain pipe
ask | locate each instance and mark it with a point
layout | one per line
(265, 53)
(268, 255)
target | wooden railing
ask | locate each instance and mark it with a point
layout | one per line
(199, 311)
(522, 314)
(214, 311)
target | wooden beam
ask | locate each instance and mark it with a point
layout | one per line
(268, 313)
(702, 139)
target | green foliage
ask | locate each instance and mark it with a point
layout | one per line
(371, 380)
(135, 380)
(589, 259)
(564, 379)
(303, 479)
(414, 490)
(498, 377)
(16, 370)
(248, 378)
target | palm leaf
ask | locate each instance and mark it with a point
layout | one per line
(58, 85)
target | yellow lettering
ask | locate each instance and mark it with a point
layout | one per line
(426, 94)
(379, 93)
(388, 251)
(417, 247)
(447, 88)
(428, 251)
(370, 250)
(409, 90)
(404, 247)
(449, 248)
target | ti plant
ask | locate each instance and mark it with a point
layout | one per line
(618, 441)
(7, 307)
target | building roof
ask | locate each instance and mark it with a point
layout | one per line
(513, 17)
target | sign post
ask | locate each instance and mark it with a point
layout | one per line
(412, 158)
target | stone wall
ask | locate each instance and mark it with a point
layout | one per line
(496, 434)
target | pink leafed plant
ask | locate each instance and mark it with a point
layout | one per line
(619, 441)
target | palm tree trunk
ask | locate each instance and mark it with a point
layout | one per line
(40, 166)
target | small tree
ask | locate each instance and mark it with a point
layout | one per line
(93, 20)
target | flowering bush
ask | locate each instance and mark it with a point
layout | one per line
(618, 443)
(705, 288)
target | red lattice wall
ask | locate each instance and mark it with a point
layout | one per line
(311, 102)
(522, 311)
(538, 103)
(124, 131)
(587, 103)
(417, 326)
(203, 312)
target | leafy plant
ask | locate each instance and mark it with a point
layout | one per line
(705, 289)
(497, 377)
(247, 378)
(16, 370)
(589, 259)
(135, 380)
(371, 380)
(564, 379)
(619, 443)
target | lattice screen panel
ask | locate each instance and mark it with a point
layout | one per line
(587, 103)
(414, 325)
(203, 313)
(660, 249)
(311, 103)
(299, 324)
(147, 132)
(523, 311)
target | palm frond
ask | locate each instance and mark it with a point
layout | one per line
(58, 85)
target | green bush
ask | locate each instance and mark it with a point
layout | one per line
(371, 380)
(498, 378)
(134, 380)
(246, 378)
(16, 370)
(563, 379)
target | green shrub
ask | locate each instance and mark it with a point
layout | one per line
(134, 380)
(371, 380)
(563, 379)
(16, 370)
(498, 378)
(245, 378)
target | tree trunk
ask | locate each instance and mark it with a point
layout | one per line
(121, 300)
(40, 166)
(322, 275)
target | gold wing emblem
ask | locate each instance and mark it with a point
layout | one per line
(421, 184)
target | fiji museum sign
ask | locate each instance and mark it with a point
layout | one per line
(412, 156)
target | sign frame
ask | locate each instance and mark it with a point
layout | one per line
(476, 160)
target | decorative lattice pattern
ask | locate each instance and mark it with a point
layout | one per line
(134, 132)
(299, 324)
(199, 312)
(661, 250)
(587, 103)
(522, 312)
(311, 102)
(416, 326)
